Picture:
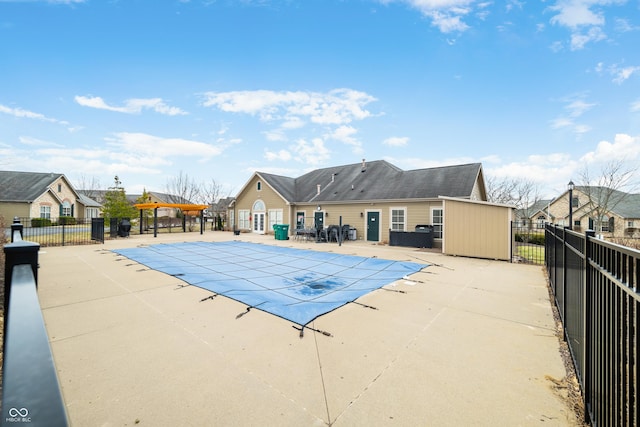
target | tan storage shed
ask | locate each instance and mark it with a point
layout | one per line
(476, 229)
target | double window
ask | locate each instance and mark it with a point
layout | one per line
(275, 217)
(398, 219)
(243, 219)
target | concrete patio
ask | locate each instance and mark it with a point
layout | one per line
(468, 342)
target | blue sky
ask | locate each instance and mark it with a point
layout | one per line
(218, 89)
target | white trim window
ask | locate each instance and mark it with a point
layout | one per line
(92, 213)
(243, 219)
(275, 217)
(66, 208)
(437, 219)
(45, 212)
(398, 220)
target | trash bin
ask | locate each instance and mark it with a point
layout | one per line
(427, 242)
(353, 234)
(124, 228)
(281, 231)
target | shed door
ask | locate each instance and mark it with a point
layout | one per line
(373, 226)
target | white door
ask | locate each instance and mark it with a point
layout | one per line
(258, 222)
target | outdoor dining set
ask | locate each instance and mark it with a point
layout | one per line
(332, 233)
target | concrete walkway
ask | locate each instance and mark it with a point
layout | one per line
(469, 342)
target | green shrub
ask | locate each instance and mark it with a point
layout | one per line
(66, 220)
(533, 238)
(40, 222)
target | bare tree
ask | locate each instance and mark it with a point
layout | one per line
(90, 186)
(183, 188)
(211, 192)
(608, 189)
(519, 192)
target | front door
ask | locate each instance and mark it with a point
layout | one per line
(318, 218)
(258, 222)
(299, 220)
(373, 226)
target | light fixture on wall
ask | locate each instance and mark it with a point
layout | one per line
(319, 208)
(326, 214)
(361, 214)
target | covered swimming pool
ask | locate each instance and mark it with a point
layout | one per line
(295, 284)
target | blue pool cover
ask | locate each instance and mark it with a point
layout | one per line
(295, 284)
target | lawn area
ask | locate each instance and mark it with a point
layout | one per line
(532, 253)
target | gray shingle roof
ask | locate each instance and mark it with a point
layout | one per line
(376, 180)
(24, 186)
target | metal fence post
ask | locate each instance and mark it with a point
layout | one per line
(587, 375)
(16, 229)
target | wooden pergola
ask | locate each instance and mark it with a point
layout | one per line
(187, 209)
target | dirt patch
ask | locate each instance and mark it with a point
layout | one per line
(567, 388)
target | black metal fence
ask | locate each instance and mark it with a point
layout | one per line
(30, 389)
(65, 231)
(595, 286)
(527, 244)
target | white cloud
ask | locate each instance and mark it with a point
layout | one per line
(584, 18)
(447, 22)
(623, 147)
(635, 106)
(34, 142)
(396, 141)
(446, 15)
(157, 150)
(575, 107)
(281, 155)
(577, 13)
(579, 40)
(337, 107)
(622, 74)
(578, 107)
(131, 106)
(313, 154)
(345, 134)
(20, 113)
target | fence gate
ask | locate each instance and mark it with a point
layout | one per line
(97, 229)
(527, 244)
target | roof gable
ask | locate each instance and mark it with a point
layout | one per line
(27, 186)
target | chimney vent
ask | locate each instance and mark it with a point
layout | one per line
(318, 188)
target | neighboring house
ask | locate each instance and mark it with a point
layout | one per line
(221, 207)
(374, 198)
(155, 197)
(534, 216)
(41, 195)
(621, 219)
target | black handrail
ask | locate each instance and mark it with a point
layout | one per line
(30, 389)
